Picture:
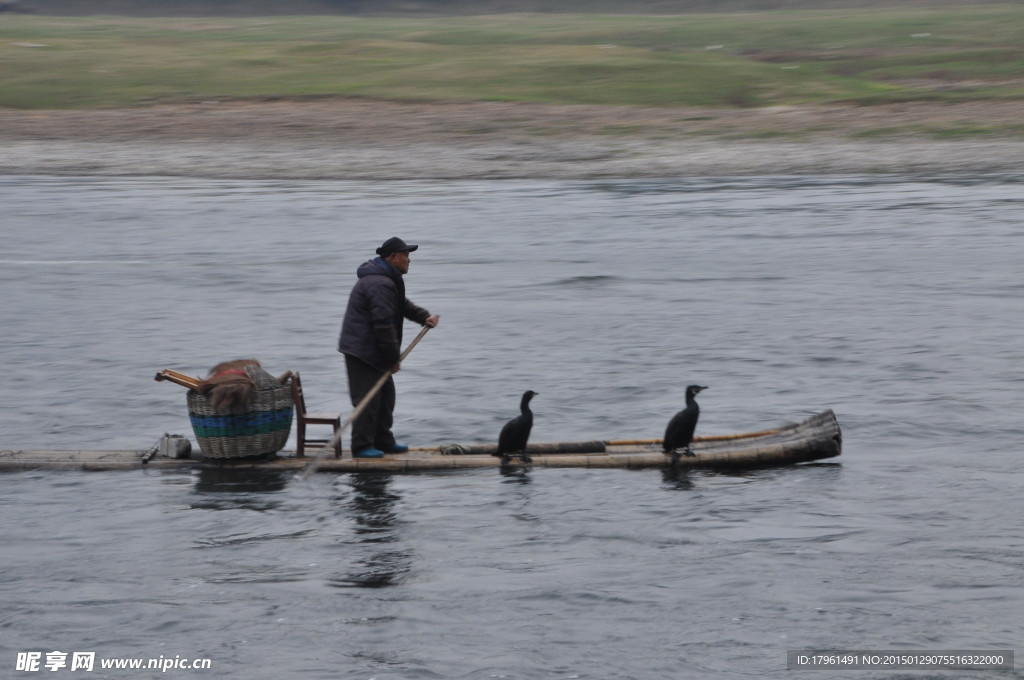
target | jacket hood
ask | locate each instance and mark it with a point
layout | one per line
(375, 267)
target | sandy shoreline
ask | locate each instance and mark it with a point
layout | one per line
(366, 139)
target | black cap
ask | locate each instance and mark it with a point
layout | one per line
(395, 245)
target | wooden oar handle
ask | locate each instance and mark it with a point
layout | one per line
(413, 343)
(373, 391)
(360, 407)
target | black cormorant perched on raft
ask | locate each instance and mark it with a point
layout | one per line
(516, 432)
(679, 432)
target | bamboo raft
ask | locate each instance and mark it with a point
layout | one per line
(816, 438)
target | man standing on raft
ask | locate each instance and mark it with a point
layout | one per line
(371, 340)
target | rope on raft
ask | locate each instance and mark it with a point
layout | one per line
(595, 446)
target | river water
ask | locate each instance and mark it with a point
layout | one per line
(896, 301)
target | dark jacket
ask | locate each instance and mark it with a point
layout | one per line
(377, 306)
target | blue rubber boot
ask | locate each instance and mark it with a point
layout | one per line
(397, 448)
(369, 453)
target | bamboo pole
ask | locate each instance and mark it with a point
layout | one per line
(706, 438)
(179, 379)
(594, 446)
(360, 407)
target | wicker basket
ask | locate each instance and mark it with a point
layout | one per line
(260, 431)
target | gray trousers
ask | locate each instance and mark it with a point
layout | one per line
(372, 429)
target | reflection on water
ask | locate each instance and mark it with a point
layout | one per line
(373, 505)
(371, 563)
(223, 488)
(514, 475)
(229, 479)
(678, 479)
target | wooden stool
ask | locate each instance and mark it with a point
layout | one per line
(302, 419)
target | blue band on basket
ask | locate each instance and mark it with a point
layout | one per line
(243, 424)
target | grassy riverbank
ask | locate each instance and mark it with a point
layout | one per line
(910, 90)
(758, 59)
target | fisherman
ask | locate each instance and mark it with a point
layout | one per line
(371, 340)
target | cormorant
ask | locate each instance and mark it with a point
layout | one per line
(516, 432)
(679, 432)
